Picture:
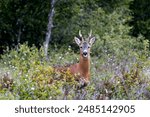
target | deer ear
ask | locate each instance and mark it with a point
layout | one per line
(92, 40)
(77, 40)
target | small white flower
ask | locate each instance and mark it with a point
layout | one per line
(32, 88)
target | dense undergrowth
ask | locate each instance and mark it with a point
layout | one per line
(24, 74)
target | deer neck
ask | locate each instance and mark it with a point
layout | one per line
(84, 65)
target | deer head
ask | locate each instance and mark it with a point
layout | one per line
(85, 44)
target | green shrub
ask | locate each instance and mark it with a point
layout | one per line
(32, 77)
(26, 75)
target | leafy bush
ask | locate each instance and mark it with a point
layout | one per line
(24, 74)
(32, 77)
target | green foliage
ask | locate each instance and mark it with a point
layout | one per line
(141, 18)
(32, 78)
(22, 20)
(25, 75)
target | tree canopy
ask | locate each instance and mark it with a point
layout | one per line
(26, 21)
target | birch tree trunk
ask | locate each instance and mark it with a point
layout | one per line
(49, 28)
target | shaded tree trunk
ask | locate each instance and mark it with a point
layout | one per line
(49, 28)
(19, 33)
(19, 37)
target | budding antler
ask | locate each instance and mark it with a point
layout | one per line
(81, 35)
(90, 34)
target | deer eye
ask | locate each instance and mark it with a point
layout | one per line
(81, 47)
(88, 46)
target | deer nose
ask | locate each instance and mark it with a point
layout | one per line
(85, 53)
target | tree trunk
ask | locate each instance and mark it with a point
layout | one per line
(49, 28)
(19, 37)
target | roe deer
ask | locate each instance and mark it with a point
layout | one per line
(81, 70)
